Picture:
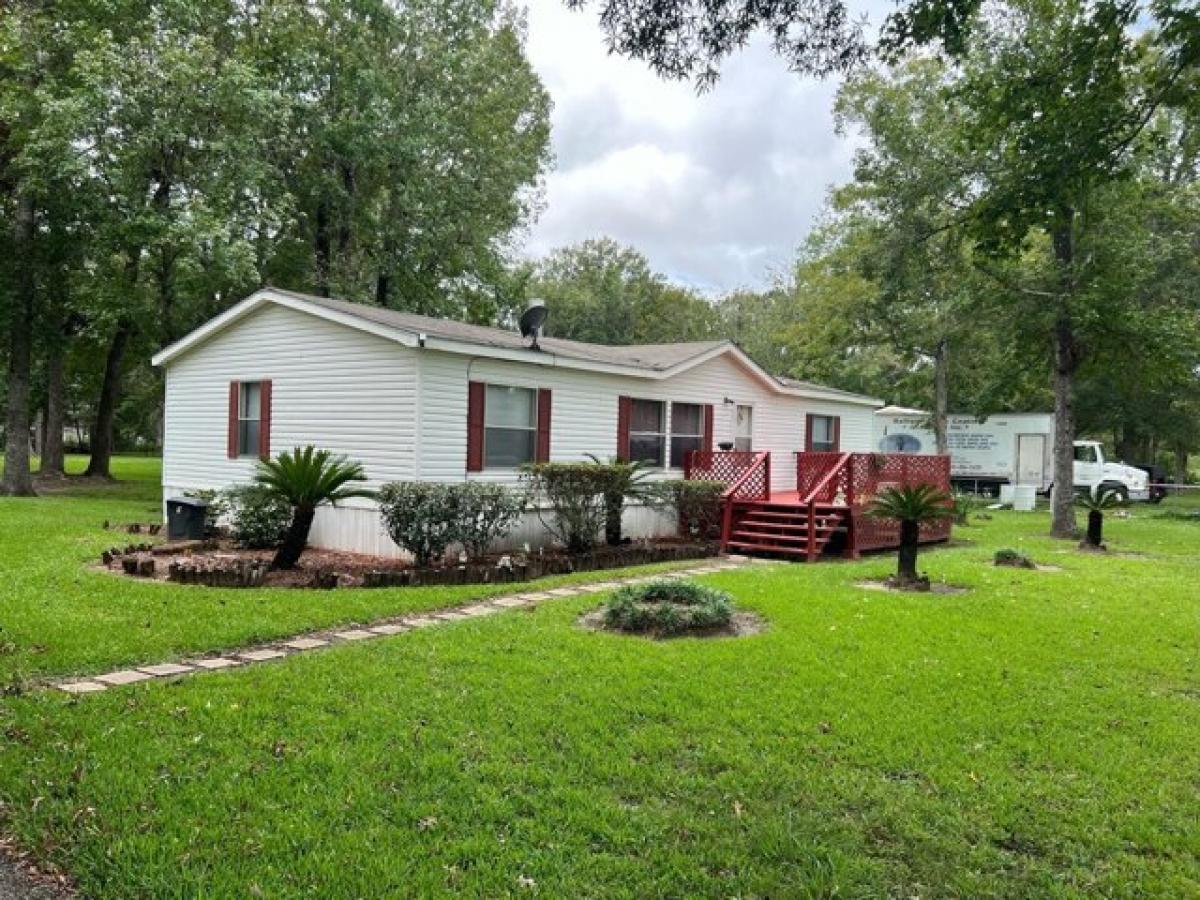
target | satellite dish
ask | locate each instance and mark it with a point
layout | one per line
(531, 323)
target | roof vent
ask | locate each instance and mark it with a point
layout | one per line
(532, 321)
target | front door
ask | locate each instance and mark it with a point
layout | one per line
(743, 431)
(1031, 459)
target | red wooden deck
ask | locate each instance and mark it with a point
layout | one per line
(826, 512)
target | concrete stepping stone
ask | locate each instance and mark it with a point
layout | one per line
(451, 616)
(81, 687)
(124, 676)
(389, 629)
(162, 670)
(480, 609)
(261, 655)
(510, 602)
(563, 592)
(354, 634)
(214, 662)
(422, 622)
(306, 643)
(536, 596)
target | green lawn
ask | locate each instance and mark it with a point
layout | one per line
(1033, 737)
(61, 617)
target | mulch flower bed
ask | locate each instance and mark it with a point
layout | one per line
(219, 563)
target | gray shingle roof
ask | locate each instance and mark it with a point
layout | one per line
(653, 357)
(813, 386)
(648, 357)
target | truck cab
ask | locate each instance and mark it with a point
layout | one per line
(1093, 470)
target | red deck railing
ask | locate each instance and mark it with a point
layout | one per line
(746, 475)
(830, 481)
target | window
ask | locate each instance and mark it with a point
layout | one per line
(743, 433)
(687, 431)
(823, 436)
(510, 427)
(1085, 454)
(647, 432)
(249, 418)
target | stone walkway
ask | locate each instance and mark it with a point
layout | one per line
(317, 640)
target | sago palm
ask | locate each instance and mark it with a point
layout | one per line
(911, 506)
(307, 478)
(1097, 502)
(629, 480)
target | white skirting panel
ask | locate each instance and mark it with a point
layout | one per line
(360, 530)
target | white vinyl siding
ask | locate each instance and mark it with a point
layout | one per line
(332, 386)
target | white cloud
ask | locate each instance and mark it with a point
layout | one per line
(717, 189)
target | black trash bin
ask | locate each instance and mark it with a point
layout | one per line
(185, 518)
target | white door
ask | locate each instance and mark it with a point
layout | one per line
(1031, 459)
(743, 432)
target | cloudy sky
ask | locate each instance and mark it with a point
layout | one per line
(716, 189)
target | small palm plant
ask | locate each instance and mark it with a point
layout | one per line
(912, 506)
(307, 478)
(627, 481)
(1097, 502)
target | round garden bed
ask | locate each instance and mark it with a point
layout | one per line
(671, 608)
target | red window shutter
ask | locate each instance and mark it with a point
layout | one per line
(476, 397)
(708, 427)
(837, 433)
(808, 432)
(624, 412)
(235, 394)
(542, 453)
(264, 419)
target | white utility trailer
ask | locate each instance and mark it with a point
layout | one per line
(1007, 449)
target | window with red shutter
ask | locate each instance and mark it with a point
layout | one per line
(544, 404)
(476, 399)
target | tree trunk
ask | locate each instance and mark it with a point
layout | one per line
(296, 539)
(941, 395)
(910, 541)
(53, 458)
(1181, 465)
(100, 463)
(1066, 362)
(614, 505)
(322, 252)
(1095, 528)
(17, 480)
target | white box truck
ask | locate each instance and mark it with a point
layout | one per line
(1004, 449)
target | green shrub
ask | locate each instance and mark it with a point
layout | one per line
(421, 517)
(698, 505)
(486, 513)
(575, 494)
(668, 607)
(258, 518)
(964, 503)
(1014, 558)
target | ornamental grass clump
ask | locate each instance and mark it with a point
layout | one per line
(665, 608)
(1013, 558)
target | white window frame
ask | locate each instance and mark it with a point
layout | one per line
(829, 446)
(663, 434)
(672, 433)
(533, 429)
(243, 419)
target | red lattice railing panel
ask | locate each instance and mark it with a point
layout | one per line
(813, 481)
(745, 473)
(870, 473)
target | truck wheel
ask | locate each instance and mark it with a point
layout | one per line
(1120, 490)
